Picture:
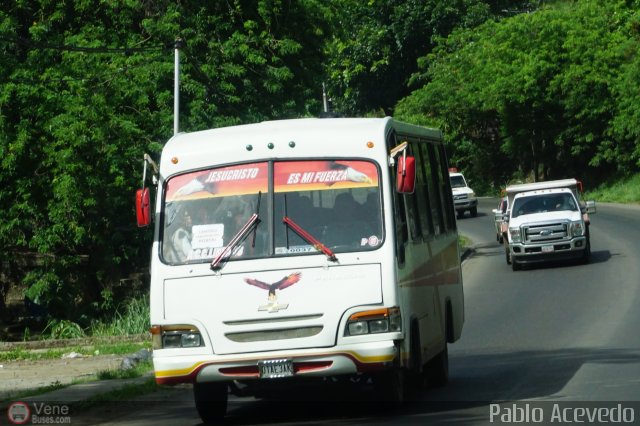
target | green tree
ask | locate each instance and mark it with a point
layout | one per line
(87, 88)
(377, 43)
(534, 94)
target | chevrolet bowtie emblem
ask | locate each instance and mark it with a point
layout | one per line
(272, 302)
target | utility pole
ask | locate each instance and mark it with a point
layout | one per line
(176, 85)
(324, 98)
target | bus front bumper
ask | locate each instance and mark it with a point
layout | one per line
(317, 362)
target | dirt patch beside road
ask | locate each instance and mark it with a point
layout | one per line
(19, 376)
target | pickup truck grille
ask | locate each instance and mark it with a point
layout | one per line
(547, 232)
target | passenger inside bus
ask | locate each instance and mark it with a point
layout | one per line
(180, 235)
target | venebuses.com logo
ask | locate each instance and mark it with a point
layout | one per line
(20, 413)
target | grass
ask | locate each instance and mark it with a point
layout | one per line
(463, 241)
(133, 318)
(125, 393)
(140, 369)
(20, 354)
(33, 392)
(625, 191)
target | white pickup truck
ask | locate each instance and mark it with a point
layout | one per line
(464, 198)
(546, 221)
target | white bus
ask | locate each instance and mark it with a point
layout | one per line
(301, 249)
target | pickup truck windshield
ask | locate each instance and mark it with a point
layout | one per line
(336, 201)
(457, 181)
(543, 203)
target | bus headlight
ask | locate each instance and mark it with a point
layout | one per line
(175, 336)
(374, 321)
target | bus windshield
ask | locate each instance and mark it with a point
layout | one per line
(337, 202)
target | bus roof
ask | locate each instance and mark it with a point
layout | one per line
(274, 139)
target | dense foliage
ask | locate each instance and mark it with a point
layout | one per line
(87, 88)
(377, 44)
(521, 89)
(545, 95)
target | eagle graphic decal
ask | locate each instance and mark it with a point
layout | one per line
(272, 303)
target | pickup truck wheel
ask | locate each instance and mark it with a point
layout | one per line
(514, 265)
(586, 255)
(474, 212)
(507, 255)
(211, 401)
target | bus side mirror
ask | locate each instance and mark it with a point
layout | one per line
(143, 207)
(406, 174)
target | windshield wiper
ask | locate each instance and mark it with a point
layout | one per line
(309, 238)
(240, 235)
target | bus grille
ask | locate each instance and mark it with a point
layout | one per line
(280, 334)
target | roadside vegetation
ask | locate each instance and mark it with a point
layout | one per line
(624, 191)
(102, 337)
(521, 89)
(127, 391)
(20, 354)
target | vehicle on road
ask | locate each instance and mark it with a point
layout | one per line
(464, 198)
(547, 221)
(499, 222)
(297, 250)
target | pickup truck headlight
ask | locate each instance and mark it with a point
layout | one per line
(516, 236)
(577, 229)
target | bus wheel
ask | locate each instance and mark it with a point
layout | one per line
(415, 377)
(389, 386)
(211, 401)
(438, 369)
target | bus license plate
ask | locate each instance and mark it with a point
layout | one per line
(276, 368)
(547, 249)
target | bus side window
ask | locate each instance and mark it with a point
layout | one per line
(422, 189)
(414, 210)
(446, 190)
(399, 211)
(435, 189)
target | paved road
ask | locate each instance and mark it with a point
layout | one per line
(552, 336)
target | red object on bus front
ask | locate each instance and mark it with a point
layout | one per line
(143, 207)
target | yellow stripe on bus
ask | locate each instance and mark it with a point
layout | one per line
(189, 370)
